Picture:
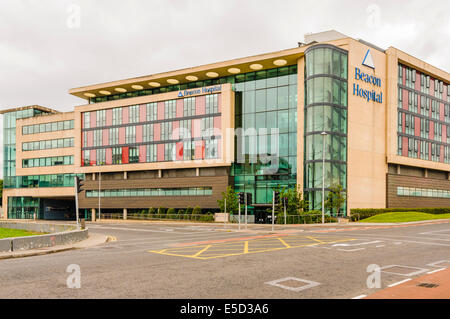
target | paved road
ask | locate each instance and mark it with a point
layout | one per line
(192, 261)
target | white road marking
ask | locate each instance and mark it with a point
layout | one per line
(351, 249)
(432, 233)
(358, 244)
(421, 270)
(359, 297)
(379, 246)
(436, 263)
(433, 271)
(276, 283)
(400, 282)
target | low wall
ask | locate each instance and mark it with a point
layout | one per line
(58, 235)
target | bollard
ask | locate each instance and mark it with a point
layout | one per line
(83, 223)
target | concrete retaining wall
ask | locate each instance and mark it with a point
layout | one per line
(59, 235)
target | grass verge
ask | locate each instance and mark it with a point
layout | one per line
(8, 232)
(401, 217)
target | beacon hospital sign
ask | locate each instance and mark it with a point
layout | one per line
(369, 95)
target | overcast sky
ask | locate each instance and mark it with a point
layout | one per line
(50, 46)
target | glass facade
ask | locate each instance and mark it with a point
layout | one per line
(266, 100)
(325, 111)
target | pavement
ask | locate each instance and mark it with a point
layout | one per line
(91, 241)
(202, 260)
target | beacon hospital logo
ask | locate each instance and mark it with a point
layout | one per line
(369, 95)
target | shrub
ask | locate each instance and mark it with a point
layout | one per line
(197, 210)
(189, 210)
(362, 213)
(152, 210)
(181, 212)
(162, 210)
(171, 212)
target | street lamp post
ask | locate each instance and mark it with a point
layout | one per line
(324, 134)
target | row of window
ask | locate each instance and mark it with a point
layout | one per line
(47, 127)
(170, 108)
(167, 132)
(410, 124)
(47, 144)
(266, 78)
(422, 192)
(141, 192)
(32, 181)
(426, 104)
(130, 155)
(410, 80)
(413, 146)
(47, 161)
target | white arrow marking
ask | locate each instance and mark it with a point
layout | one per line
(366, 243)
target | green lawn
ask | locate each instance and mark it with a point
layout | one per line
(400, 217)
(8, 232)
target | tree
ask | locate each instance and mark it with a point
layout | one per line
(232, 201)
(336, 198)
(295, 204)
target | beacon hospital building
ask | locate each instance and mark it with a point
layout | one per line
(179, 138)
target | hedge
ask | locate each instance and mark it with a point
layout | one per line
(369, 212)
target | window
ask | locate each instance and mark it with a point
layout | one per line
(212, 104)
(114, 136)
(130, 136)
(117, 155)
(211, 150)
(169, 152)
(101, 118)
(133, 114)
(152, 111)
(151, 153)
(189, 106)
(101, 156)
(147, 131)
(166, 131)
(87, 120)
(134, 155)
(98, 137)
(170, 109)
(117, 116)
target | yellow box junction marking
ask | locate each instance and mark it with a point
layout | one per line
(244, 247)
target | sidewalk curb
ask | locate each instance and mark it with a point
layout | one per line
(46, 251)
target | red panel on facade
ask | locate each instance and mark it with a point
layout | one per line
(179, 150)
(157, 132)
(180, 107)
(200, 105)
(405, 99)
(121, 135)
(125, 115)
(217, 123)
(105, 136)
(417, 126)
(160, 152)
(160, 110)
(404, 146)
(199, 149)
(125, 155)
(90, 139)
(441, 155)
(109, 117)
(138, 133)
(175, 130)
(142, 113)
(441, 110)
(196, 128)
(142, 153)
(92, 157)
(93, 119)
(108, 155)
(82, 158)
(431, 130)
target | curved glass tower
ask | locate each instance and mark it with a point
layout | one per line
(325, 111)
